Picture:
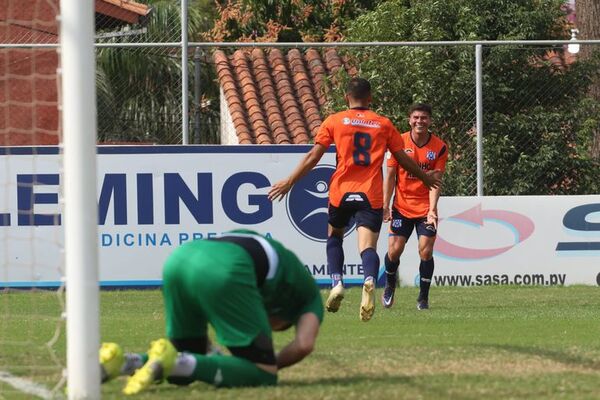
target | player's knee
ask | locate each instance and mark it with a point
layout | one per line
(260, 351)
(336, 234)
(393, 254)
(426, 254)
(395, 251)
(198, 345)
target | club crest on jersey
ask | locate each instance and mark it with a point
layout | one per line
(431, 155)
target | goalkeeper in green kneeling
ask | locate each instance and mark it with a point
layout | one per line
(245, 286)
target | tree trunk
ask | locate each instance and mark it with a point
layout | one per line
(588, 22)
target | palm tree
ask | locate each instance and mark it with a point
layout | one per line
(139, 88)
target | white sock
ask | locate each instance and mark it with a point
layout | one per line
(184, 365)
(133, 361)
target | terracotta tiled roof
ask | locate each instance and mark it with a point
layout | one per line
(129, 5)
(123, 10)
(560, 60)
(276, 97)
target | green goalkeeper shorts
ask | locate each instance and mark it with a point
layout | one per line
(210, 282)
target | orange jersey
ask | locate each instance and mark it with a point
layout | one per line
(412, 196)
(361, 138)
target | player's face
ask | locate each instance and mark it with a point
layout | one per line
(419, 121)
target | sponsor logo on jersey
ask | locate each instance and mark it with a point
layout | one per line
(367, 123)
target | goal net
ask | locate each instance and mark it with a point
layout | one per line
(44, 210)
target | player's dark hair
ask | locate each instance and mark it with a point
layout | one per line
(420, 107)
(358, 88)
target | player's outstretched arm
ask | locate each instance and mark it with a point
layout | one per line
(303, 344)
(429, 179)
(308, 162)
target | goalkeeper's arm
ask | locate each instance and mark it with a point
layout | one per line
(303, 344)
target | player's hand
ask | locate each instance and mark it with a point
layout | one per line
(432, 179)
(387, 214)
(279, 190)
(432, 218)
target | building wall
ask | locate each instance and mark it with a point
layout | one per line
(228, 133)
(28, 81)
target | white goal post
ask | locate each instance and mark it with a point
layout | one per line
(78, 99)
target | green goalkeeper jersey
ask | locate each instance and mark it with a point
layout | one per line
(235, 283)
(291, 291)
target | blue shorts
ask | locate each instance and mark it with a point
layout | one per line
(358, 206)
(403, 226)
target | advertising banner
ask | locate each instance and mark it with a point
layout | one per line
(151, 199)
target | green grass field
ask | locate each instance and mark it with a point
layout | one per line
(487, 342)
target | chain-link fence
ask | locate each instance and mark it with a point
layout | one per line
(139, 87)
(537, 118)
(538, 121)
(141, 75)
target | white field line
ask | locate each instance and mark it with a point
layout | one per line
(25, 385)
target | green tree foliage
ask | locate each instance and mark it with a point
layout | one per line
(538, 120)
(286, 20)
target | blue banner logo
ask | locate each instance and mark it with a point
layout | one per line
(307, 204)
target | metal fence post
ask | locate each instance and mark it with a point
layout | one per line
(197, 96)
(479, 119)
(184, 73)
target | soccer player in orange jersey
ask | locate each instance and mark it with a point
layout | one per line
(415, 206)
(356, 188)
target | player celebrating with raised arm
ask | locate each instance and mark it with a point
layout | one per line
(356, 189)
(243, 285)
(415, 206)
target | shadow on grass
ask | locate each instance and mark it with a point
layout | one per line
(359, 385)
(366, 383)
(349, 380)
(555, 355)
